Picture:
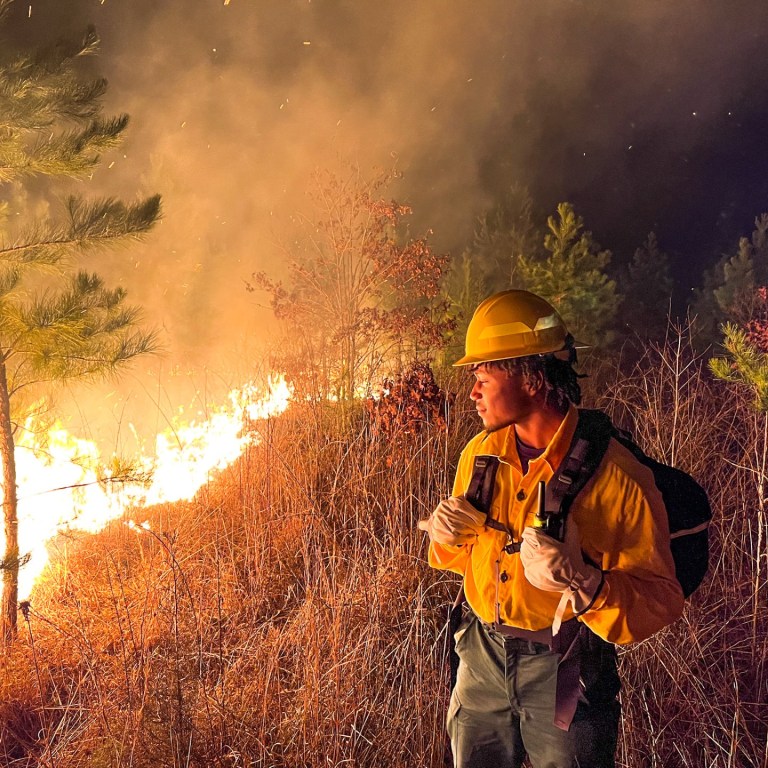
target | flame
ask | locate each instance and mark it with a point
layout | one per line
(62, 484)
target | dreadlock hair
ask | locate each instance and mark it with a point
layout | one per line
(561, 382)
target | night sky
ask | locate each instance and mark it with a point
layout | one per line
(646, 115)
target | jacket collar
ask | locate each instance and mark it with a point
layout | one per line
(558, 446)
(502, 442)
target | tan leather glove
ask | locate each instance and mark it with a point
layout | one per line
(558, 566)
(455, 521)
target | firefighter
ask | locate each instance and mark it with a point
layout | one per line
(540, 617)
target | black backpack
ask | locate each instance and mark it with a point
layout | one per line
(686, 502)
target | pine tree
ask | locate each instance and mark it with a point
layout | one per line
(647, 288)
(728, 290)
(571, 275)
(504, 234)
(734, 294)
(760, 249)
(463, 289)
(56, 323)
(745, 367)
(564, 265)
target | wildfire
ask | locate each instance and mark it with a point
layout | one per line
(62, 484)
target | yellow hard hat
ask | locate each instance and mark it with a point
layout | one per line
(513, 323)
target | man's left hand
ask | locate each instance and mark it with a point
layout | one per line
(558, 566)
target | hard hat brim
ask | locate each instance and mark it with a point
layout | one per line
(479, 359)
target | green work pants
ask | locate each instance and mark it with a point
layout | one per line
(503, 704)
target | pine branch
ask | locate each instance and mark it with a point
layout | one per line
(28, 105)
(39, 247)
(73, 153)
(101, 359)
(4, 8)
(54, 57)
(37, 89)
(91, 225)
(10, 277)
(109, 219)
(744, 365)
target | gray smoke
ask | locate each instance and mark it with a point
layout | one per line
(616, 106)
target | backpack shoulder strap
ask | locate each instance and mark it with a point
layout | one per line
(481, 487)
(482, 482)
(594, 430)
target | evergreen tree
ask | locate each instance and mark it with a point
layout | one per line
(728, 290)
(56, 323)
(760, 249)
(734, 295)
(571, 275)
(502, 236)
(463, 289)
(704, 307)
(564, 265)
(744, 365)
(647, 289)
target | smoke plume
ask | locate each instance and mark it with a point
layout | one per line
(645, 115)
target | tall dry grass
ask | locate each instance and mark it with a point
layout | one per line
(287, 618)
(696, 694)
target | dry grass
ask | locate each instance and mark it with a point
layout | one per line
(694, 695)
(287, 618)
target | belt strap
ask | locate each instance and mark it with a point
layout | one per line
(543, 636)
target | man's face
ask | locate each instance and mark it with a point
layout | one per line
(501, 398)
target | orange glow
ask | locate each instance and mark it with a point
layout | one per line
(65, 487)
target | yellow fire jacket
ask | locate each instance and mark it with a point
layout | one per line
(623, 528)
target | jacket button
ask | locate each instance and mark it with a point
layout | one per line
(504, 577)
(521, 495)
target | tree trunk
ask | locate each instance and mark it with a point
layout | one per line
(10, 597)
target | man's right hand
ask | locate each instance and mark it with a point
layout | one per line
(455, 521)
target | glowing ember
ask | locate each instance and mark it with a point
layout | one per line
(62, 483)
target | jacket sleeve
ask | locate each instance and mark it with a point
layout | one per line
(445, 557)
(449, 558)
(629, 538)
